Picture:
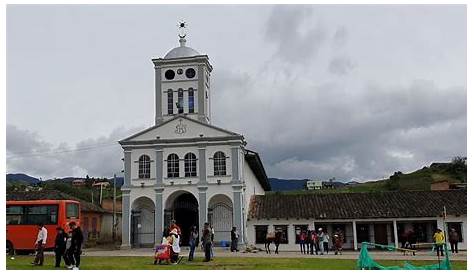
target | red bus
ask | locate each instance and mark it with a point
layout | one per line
(23, 218)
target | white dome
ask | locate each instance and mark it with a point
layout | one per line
(181, 51)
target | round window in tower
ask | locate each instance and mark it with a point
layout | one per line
(169, 74)
(190, 73)
(179, 71)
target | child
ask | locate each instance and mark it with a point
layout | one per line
(337, 244)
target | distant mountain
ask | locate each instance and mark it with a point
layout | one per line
(20, 177)
(287, 184)
(24, 178)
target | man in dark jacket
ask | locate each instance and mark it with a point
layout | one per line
(234, 237)
(453, 240)
(206, 241)
(60, 247)
(76, 245)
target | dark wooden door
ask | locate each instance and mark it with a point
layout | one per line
(380, 234)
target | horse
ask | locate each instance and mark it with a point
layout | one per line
(274, 237)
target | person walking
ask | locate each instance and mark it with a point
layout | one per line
(60, 247)
(193, 241)
(308, 241)
(453, 240)
(175, 248)
(321, 237)
(438, 238)
(337, 242)
(314, 239)
(234, 238)
(206, 242)
(75, 250)
(212, 240)
(326, 242)
(40, 244)
(302, 239)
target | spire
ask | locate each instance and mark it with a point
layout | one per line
(182, 33)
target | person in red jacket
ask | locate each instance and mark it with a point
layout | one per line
(302, 240)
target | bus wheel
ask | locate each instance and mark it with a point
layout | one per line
(10, 249)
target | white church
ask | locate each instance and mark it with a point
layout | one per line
(184, 168)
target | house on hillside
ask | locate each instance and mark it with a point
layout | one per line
(79, 182)
(381, 217)
(101, 184)
(314, 185)
(446, 185)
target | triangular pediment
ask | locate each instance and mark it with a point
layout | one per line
(180, 127)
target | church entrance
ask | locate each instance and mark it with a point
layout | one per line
(220, 216)
(142, 229)
(185, 211)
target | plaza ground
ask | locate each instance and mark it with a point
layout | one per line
(142, 259)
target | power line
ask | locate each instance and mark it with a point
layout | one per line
(97, 146)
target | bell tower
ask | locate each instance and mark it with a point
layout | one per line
(182, 83)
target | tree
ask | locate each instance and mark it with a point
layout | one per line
(458, 168)
(394, 181)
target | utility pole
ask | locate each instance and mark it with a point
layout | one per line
(114, 218)
(445, 230)
(100, 196)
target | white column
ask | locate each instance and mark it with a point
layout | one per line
(125, 219)
(354, 232)
(395, 233)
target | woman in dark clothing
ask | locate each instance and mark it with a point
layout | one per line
(60, 247)
(302, 238)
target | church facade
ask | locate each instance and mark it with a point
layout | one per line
(184, 168)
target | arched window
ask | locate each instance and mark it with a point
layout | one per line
(219, 163)
(170, 101)
(191, 100)
(189, 165)
(173, 166)
(144, 166)
(180, 103)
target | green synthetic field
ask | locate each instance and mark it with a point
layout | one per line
(23, 262)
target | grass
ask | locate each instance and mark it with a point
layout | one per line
(237, 263)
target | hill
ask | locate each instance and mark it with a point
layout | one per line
(421, 179)
(454, 172)
(22, 178)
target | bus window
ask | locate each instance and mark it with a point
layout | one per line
(14, 215)
(72, 210)
(45, 214)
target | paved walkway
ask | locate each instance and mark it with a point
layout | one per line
(378, 255)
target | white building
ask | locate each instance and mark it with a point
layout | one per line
(184, 168)
(382, 217)
(314, 184)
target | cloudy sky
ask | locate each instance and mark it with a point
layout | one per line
(351, 92)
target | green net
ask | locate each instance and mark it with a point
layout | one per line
(365, 261)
